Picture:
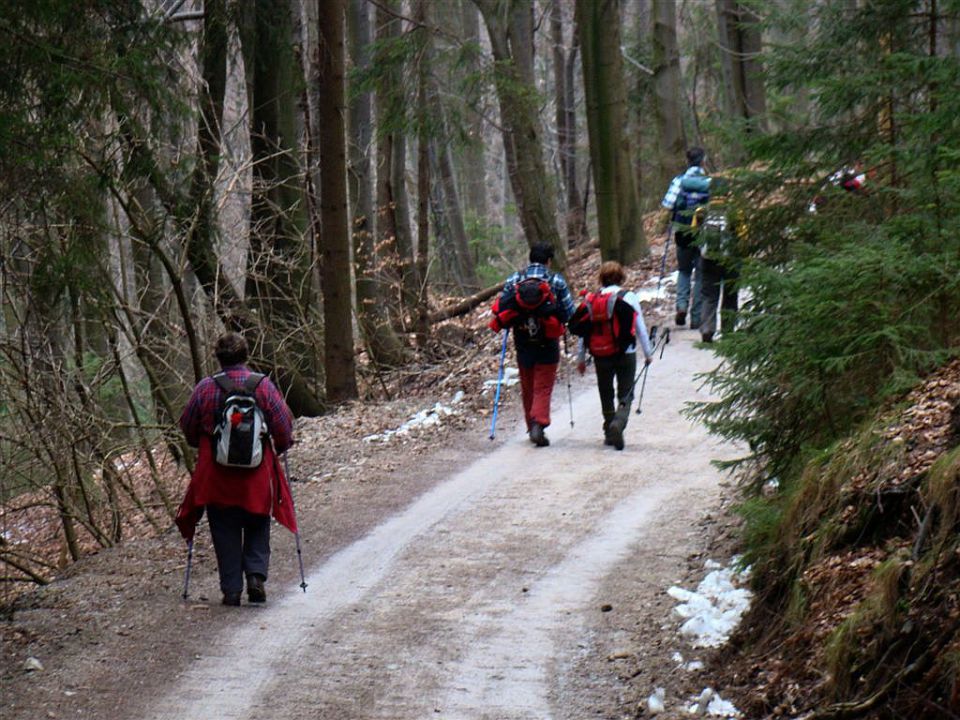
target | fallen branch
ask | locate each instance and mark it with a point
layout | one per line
(33, 576)
(466, 305)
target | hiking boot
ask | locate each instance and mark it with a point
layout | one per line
(706, 337)
(256, 593)
(231, 598)
(681, 318)
(615, 434)
(536, 435)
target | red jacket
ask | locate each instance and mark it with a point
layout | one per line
(262, 490)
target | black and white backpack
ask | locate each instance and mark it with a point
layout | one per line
(240, 429)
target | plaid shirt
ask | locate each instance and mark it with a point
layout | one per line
(673, 192)
(558, 285)
(199, 418)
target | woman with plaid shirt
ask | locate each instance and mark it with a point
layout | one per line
(238, 501)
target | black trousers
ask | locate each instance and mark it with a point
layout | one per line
(620, 369)
(241, 541)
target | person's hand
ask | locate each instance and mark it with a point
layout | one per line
(581, 367)
(647, 361)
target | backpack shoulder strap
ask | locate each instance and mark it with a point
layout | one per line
(224, 382)
(252, 382)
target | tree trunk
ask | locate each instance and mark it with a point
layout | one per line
(461, 261)
(666, 66)
(564, 64)
(740, 43)
(422, 324)
(381, 341)
(474, 160)
(510, 28)
(618, 206)
(279, 271)
(341, 380)
(394, 235)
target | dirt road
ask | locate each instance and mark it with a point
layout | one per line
(474, 601)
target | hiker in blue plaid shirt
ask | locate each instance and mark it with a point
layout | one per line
(538, 359)
(683, 197)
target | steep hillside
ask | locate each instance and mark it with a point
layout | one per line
(857, 568)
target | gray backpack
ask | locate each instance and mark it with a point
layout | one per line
(238, 435)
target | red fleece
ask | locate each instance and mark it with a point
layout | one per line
(262, 490)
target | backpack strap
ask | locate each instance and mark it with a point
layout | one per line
(224, 382)
(249, 385)
(252, 382)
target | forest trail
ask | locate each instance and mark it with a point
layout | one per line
(468, 603)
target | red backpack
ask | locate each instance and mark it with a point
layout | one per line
(530, 310)
(607, 322)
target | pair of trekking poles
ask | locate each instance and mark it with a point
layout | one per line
(661, 344)
(296, 535)
(496, 397)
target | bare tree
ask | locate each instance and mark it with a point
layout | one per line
(618, 205)
(666, 66)
(510, 29)
(381, 341)
(341, 380)
(564, 64)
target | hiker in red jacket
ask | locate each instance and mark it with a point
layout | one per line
(238, 500)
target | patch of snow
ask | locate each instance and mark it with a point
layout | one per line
(511, 376)
(649, 290)
(428, 418)
(694, 666)
(710, 703)
(771, 487)
(714, 610)
(677, 658)
(719, 707)
(655, 704)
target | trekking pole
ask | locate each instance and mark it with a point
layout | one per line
(666, 341)
(569, 391)
(643, 370)
(496, 397)
(296, 535)
(662, 344)
(186, 576)
(643, 386)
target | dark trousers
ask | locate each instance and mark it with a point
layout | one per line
(689, 276)
(619, 368)
(241, 541)
(716, 280)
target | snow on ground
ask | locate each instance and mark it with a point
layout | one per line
(511, 376)
(714, 610)
(428, 418)
(711, 613)
(649, 291)
(711, 704)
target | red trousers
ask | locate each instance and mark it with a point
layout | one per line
(536, 386)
